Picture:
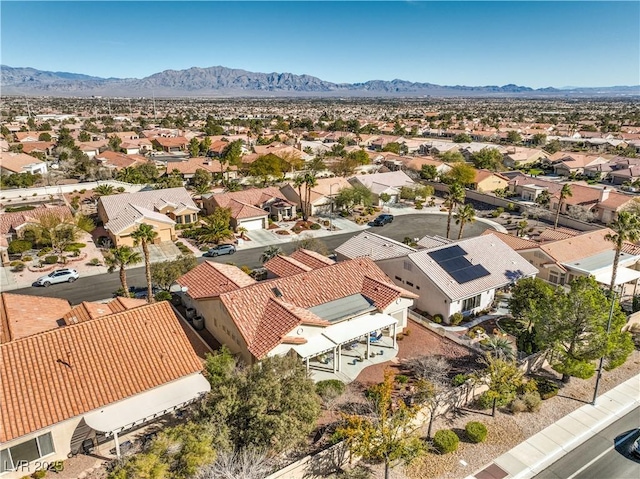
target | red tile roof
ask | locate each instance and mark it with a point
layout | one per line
(285, 266)
(87, 311)
(211, 279)
(59, 374)
(311, 258)
(22, 315)
(10, 221)
(248, 306)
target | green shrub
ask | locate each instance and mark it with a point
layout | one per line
(39, 474)
(532, 400)
(163, 296)
(315, 226)
(530, 386)
(547, 388)
(486, 402)
(517, 405)
(17, 266)
(330, 389)
(476, 431)
(94, 262)
(44, 251)
(27, 258)
(53, 259)
(19, 246)
(446, 441)
(418, 204)
(459, 380)
(456, 318)
(402, 379)
(74, 247)
(438, 318)
(82, 191)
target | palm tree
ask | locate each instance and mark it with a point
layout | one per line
(120, 258)
(143, 236)
(565, 193)
(297, 183)
(270, 252)
(104, 190)
(625, 228)
(454, 197)
(466, 214)
(309, 182)
(500, 348)
(214, 229)
(522, 228)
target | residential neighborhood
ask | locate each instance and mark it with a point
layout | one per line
(158, 264)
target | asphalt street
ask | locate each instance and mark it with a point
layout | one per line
(605, 456)
(95, 288)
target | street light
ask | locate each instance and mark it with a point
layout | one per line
(331, 208)
(601, 363)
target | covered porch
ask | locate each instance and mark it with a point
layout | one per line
(344, 349)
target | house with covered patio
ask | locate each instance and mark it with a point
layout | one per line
(331, 316)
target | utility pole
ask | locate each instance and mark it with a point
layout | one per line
(155, 116)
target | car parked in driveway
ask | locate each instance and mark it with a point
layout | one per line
(382, 220)
(220, 250)
(65, 275)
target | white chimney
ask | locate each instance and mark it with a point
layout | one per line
(604, 194)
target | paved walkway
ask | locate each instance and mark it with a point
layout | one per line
(543, 449)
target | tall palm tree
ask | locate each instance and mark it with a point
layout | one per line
(466, 214)
(297, 183)
(309, 181)
(625, 228)
(565, 193)
(143, 236)
(120, 258)
(454, 197)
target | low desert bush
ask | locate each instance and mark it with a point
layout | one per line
(476, 431)
(446, 441)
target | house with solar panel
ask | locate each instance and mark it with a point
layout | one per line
(458, 277)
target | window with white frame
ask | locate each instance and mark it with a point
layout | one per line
(471, 303)
(26, 452)
(553, 277)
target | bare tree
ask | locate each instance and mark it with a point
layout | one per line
(243, 464)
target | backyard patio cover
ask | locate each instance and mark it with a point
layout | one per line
(147, 405)
(344, 332)
(624, 275)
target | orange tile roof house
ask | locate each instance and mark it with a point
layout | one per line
(313, 309)
(486, 180)
(12, 163)
(188, 167)
(171, 144)
(322, 194)
(89, 382)
(118, 161)
(251, 208)
(162, 209)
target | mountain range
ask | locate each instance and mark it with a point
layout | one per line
(220, 81)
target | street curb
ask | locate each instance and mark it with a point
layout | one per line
(527, 448)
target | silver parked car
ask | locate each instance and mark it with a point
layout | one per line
(65, 275)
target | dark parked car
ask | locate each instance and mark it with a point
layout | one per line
(220, 250)
(382, 220)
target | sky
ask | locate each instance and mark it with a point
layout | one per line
(536, 44)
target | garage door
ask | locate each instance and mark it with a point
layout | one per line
(252, 224)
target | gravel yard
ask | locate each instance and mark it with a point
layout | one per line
(506, 430)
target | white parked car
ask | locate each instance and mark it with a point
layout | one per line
(65, 275)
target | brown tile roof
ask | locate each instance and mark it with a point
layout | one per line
(22, 315)
(87, 311)
(31, 146)
(16, 162)
(53, 376)
(171, 141)
(248, 306)
(311, 258)
(120, 160)
(241, 211)
(189, 167)
(550, 234)
(580, 246)
(285, 266)
(11, 221)
(253, 197)
(514, 242)
(211, 279)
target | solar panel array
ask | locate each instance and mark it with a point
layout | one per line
(452, 260)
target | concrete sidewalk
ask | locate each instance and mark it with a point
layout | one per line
(532, 456)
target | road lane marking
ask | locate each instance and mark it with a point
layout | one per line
(615, 443)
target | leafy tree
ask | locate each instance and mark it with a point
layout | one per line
(360, 157)
(544, 198)
(266, 167)
(216, 227)
(514, 137)
(114, 143)
(345, 166)
(392, 147)
(575, 329)
(452, 156)
(565, 193)
(488, 159)
(119, 258)
(144, 235)
(452, 200)
(347, 198)
(84, 136)
(201, 180)
(465, 214)
(428, 172)
(462, 138)
(553, 147)
(503, 378)
(387, 434)
(268, 405)
(204, 146)
(166, 273)
(270, 252)
(62, 231)
(194, 147)
(461, 173)
(20, 180)
(44, 137)
(65, 139)
(539, 139)
(527, 301)
(173, 180)
(316, 165)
